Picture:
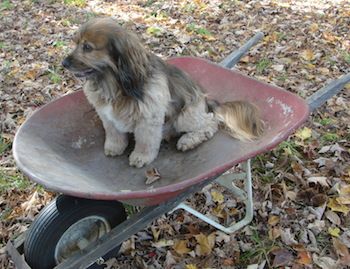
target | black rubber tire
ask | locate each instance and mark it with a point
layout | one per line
(51, 223)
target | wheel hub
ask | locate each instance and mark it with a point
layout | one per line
(79, 235)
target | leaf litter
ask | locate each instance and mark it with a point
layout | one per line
(301, 188)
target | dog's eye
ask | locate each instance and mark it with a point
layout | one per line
(87, 47)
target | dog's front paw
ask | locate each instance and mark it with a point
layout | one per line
(138, 159)
(191, 140)
(114, 149)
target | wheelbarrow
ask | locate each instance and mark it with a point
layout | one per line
(61, 147)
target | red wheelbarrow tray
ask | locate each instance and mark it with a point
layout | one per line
(61, 145)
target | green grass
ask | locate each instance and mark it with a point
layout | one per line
(289, 148)
(59, 44)
(90, 15)
(280, 36)
(76, 3)
(330, 137)
(5, 5)
(346, 57)
(190, 8)
(198, 30)
(130, 209)
(4, 145)
(2, 45)
(262, 65)
(54, 76)
(282, 78)
(155, 31)
(149, 3)
(16, 181)
(325, 121)
(260, 250)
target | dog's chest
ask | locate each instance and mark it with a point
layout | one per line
(122, 125)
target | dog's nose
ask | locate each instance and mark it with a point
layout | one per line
(66, 63)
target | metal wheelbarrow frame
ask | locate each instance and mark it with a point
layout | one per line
(138, 221)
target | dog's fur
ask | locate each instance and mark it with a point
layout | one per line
(134, 91)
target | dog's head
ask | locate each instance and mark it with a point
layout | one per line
(104, 48)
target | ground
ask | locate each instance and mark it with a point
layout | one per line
(301, 188)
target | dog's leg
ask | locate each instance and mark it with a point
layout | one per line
(197, 124)
(115, 141)
(148, 136)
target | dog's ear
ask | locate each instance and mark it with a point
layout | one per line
(131, 62)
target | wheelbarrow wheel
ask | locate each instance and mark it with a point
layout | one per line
(68, 225)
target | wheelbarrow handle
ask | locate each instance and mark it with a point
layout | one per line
(328, 91)
(236, 55)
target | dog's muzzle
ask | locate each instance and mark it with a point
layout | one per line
(67, 63)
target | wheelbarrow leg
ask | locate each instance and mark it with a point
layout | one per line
(227, 181)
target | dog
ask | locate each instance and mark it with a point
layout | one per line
(135, 91)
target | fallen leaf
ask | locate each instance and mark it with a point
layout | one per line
(163, 243)
(317, 226)
(228, 262)
(333, 217)
(155, 232)
(308, 55)
(342, 251)
(169, 260)
(273, 220)
(181, 247)
(205, 244)
(274, 233)
(217, 196)
(218, 211)
(334, 231)
(304, 133)
(152, 176)
(320, 180)
(319, 200)
(191, 266)
(344, 195)
(304, 258)
(278, 67)
(222, 237)
(324, 262)
(287, 237)
(334, 205)
(332, 148)
(283, 257)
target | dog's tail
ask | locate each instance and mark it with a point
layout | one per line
(240, 119)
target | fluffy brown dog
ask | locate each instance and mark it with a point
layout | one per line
(134, 91)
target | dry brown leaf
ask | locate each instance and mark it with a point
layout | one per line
(163, 243)
(308, 55)
(333, 217)
(320, 180)
(155, 232)
(324, 262)
(273, 220)
(274, 233)
(228, 262)
(342, 251)
(218, 211)
(152, 176)
(283, 257)
(205, 244)
(334, 205)
(181, 247)
(304, 258)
